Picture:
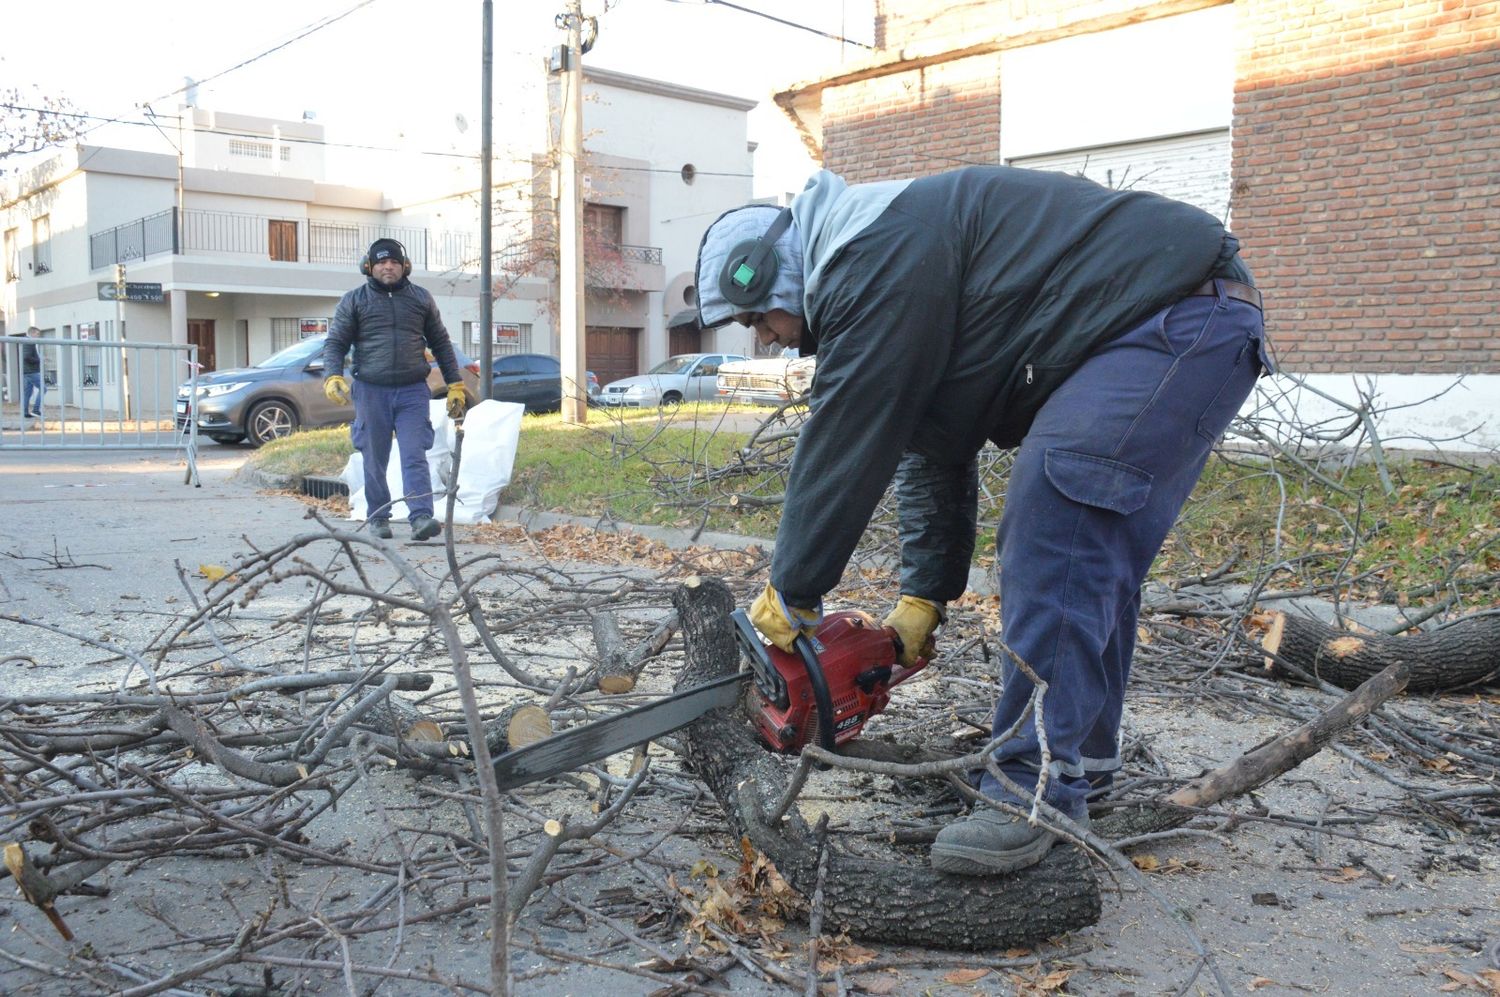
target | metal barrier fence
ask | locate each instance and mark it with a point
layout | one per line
(99, 395)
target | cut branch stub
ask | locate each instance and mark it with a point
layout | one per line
(616, 674)
(619, 669)
(873, 899)
(1462, 654)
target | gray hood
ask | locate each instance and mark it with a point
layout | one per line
(732, 228)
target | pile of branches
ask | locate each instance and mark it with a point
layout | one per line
(301, 681)
(332, 674)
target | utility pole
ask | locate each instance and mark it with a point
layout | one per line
(570, 286)
(124, 350)
(486, 207)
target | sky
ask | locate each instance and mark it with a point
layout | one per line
(406, 74)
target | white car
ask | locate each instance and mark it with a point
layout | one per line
(687, 377)
(767, 381)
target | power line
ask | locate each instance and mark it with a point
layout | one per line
(781, 20)
(319, 26)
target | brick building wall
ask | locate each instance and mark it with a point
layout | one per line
(1366, 184)
(1365, 138)
(914, 123)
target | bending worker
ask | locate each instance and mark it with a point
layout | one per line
(1110, 335)
(391, 323)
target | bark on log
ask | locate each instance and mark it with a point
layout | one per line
(888, 901)
(1459, 655)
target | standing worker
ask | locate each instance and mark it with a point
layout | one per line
(391, 322)
(1111, 335)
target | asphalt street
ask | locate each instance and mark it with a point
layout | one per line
(84, 531)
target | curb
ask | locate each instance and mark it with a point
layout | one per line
(674, 537)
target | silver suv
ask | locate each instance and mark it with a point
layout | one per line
(278, 396)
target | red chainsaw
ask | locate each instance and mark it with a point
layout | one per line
(839, 678)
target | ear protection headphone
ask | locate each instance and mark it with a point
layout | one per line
(750, 269)
(364, 261)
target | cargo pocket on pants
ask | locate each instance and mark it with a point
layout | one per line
(1098, 481)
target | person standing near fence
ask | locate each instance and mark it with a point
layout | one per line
(32, 387)
(391, 323)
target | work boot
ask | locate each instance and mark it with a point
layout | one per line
(990, 841)
(381, 528)
(425, 528)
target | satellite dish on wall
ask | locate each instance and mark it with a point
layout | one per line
(461, 123)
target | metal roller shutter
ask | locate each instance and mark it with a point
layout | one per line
(1192, 168)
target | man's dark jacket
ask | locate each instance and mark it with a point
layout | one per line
(31, 358)
(946, 319)
(389, 328)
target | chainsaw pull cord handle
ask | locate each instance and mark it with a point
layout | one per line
(814, 667)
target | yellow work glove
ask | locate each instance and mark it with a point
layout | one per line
(456, 401)
(914, 619)
(781, 623)
(336, 389)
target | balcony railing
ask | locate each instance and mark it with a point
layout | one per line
(641, 254)
(134, 240)
(305, 240)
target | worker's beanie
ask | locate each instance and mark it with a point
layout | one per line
(385, 249)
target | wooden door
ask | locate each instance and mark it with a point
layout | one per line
(201, 334)
(612, 352)
(283, 239)
(685, 339)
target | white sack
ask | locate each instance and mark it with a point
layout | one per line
(492, 432)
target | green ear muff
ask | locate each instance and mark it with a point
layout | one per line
(751, 267)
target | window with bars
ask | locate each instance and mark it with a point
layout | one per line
(256, 150)
(285, 332)
(510, 337)
(41, 245)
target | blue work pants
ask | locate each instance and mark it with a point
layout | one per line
(379, 411)
(1096, 485)
(31, 387)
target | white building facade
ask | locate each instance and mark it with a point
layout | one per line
(242, 246)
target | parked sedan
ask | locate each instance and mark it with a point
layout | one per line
(532, 379)
(687, 377)
(278, 396)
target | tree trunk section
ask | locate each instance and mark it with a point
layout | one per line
(1463, 654)
(893, 900)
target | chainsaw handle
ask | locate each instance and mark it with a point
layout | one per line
(900, 673)
(804, 646)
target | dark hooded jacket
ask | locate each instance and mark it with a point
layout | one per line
(946, 318)
(389, 329)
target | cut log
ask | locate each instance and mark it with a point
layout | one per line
(898, 900)
(516, 725)
(1463, 654)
